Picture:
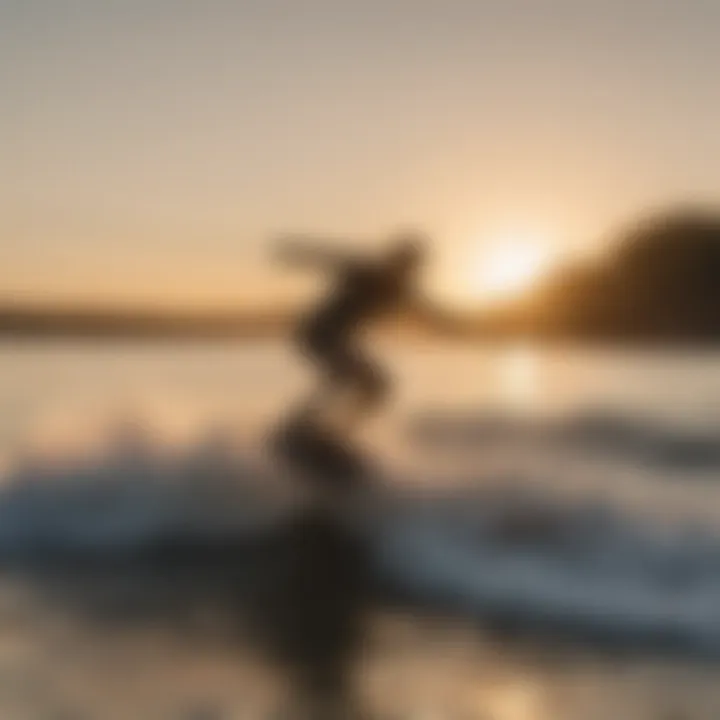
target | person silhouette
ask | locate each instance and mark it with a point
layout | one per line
(364, 290)
(317, 628)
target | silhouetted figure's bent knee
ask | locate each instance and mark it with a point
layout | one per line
(345, 369)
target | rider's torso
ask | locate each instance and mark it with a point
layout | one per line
(362, 293)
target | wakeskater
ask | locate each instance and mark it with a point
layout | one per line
(328, 580)
(315, 437)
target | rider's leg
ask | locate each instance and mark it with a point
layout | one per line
(318, 342)
(364, 386)
(351, 385)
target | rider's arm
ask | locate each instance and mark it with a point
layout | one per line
(307, 251)
(429, 314)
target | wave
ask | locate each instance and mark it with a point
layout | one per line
(132, 495)
(623, 437)
(585, 571)
(510, 556)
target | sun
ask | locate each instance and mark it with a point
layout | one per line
(508, 266)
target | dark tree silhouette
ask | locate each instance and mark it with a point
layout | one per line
(660, 281)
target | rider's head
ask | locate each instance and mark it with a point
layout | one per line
(407, 251)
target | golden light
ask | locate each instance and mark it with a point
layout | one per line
(518, 700)
(505, 267)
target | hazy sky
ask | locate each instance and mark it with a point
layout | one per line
(150, 147)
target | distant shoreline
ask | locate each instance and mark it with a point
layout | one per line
(103, 326)
(33, 323)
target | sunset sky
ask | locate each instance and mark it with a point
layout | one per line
(151, 147)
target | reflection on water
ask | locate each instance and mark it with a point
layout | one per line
(64, 386)
(519, 381)
(518, 699)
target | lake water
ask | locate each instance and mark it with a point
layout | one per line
(564, 489)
